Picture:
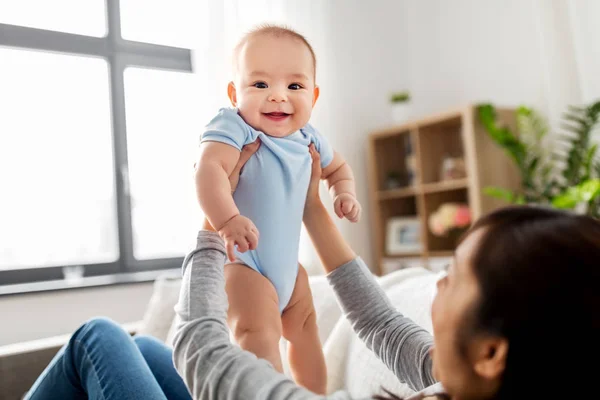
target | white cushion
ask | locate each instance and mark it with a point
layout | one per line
(350, 365)
(160, 311)
(412, 292)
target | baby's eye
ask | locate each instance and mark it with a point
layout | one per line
(295, 86)
(260, 85)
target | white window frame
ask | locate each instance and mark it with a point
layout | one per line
(119, 54)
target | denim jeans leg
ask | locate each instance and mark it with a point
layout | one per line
(159, 358)
(102, 362)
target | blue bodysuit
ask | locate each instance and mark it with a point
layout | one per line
(271, 193)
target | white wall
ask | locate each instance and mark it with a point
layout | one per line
(585, 15)
(465, 50)
(34, 316)
(536, 52)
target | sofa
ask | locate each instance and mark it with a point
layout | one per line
(351, 366)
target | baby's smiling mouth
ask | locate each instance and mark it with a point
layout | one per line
(276, 116)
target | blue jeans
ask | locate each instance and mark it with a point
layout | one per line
(102, 361)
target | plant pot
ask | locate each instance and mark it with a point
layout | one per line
(400, 112)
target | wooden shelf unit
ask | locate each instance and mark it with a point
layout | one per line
(456, 132)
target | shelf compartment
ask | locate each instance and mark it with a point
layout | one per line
(389, 153)
(396, 193)
(398, 207)
(437, 142)
(441, 244)
(443, 186)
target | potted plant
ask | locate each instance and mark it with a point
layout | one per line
(400, 106)
(562, 172)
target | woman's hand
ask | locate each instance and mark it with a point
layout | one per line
(312, 196)
(234, 178)
(247, 152)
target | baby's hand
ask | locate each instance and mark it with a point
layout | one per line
(346, 205)
(239, 231)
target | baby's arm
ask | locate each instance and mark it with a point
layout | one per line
(216, 162)
(340, 182)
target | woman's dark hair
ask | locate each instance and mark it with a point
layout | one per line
(539, 274)
(538, 270)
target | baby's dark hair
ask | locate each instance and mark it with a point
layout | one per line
(279, 31)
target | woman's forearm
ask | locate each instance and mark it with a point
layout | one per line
(327, 239)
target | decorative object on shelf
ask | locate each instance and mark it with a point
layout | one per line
(403, 235)
(393, 180)
(400, 107)
(566, 175)
(410, 161)
(450, 218)
(453, 168)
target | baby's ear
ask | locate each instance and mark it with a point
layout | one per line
(316, 93)
(232, 93)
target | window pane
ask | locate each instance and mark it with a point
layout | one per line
(178, 23)
(73, 16)
(163, 127)
(56, 161)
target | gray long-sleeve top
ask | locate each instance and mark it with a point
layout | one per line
(214, 368)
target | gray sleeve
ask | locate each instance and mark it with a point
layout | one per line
(400, 343)
(210, 365)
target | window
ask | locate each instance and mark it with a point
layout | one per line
(56, 160)
(71, 16)
(97, 139)
(178, 23)
(162, 138)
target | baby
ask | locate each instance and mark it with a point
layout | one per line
(273, 94)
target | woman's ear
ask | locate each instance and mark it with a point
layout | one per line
(316, 93)
(490, 357)
(232, 94)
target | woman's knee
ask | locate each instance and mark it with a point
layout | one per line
(99, 331)
(101, 326)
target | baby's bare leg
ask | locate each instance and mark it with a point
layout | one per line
(300, 329)
(253, 313)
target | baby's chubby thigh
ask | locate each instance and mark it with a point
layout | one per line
(253, 315)
(299, 315)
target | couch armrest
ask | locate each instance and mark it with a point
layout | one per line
(22, 363)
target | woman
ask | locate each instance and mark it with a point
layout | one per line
(499, 323)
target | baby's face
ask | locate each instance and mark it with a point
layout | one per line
(274, 88)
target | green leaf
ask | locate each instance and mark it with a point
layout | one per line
(520, 200)
(576, 118)
(502, 135)
(589, 190)
(533, 164)
(588, 161)
(567, 200)
(499, 193)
